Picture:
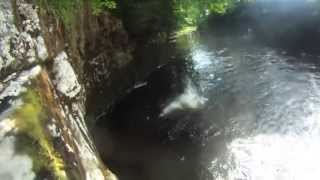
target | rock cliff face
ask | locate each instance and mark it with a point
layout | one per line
(48, 73)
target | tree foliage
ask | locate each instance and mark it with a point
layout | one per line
(191, 12)
(99, 5)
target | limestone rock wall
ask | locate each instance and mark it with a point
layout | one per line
(43, 133)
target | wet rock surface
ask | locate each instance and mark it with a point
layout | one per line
(42, 107)
(56, 81)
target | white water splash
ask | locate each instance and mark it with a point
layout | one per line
(189, 99)
(201, 58)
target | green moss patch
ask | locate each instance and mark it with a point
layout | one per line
(30, 120)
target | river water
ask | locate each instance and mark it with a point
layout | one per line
(242, 111)
(265, 106)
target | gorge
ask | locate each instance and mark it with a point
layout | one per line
(159, 90)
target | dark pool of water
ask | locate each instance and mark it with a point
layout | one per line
(233, 109)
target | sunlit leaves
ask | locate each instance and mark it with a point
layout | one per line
(99, 5)
(191, 12)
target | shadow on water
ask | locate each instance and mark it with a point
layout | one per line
(140, 144)
(291, 25)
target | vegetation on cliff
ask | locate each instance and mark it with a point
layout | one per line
(184, 13)
(66, 10)
(30, 120)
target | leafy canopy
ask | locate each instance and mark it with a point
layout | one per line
(99, 5)
(192, 12)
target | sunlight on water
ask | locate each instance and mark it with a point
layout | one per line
(201, 58)
(275, 157)
(280, 140)
(291, 156)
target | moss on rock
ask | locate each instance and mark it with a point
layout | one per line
(30, 120)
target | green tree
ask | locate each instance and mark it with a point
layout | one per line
(192, 12)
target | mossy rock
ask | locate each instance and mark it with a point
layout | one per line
(32, 138)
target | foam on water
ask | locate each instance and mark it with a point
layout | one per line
(189, 99)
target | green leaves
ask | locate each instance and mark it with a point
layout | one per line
(219, 7)
(191, 12)
(99, 5)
